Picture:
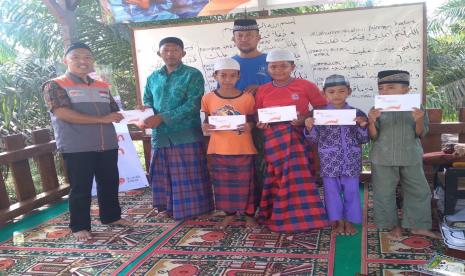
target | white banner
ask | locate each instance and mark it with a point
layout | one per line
(131, 174)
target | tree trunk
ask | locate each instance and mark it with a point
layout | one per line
(64, 12)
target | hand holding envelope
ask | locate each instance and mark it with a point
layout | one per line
(231, 122)
(277, 114)
(135, 116)
(405, 102)
(336, 117)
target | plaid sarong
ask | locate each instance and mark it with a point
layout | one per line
(233, 181)
(180, 181)
(290, 200)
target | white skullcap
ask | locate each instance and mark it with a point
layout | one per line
(279, 55)
(226, 63)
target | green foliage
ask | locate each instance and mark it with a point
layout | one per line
(446, 57)
(30, 27)
(22, 107)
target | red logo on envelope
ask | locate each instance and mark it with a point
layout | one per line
(74, 93)
(104, 94)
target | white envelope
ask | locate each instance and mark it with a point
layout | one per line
(335, 116)
(277, 114)
(132, 116)
(398, 102)
(226, 122)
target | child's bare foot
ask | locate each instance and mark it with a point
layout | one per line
(122, 222)
(395, 232)
(349, 228)
(339, 228)
(227, 221)
(426, 233)
(82, 235)
(250, 222)
(163, 214)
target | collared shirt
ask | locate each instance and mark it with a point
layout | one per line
(397, 143)
(298, 92)
(176, 98)
(339, 146)
(55, 96)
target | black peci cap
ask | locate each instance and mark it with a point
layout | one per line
(245, 25)
(77, 45)
(394, 76)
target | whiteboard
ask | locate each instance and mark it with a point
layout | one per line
(356, 43)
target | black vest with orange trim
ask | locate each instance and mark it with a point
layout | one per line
(91, 99)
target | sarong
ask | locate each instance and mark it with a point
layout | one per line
(290, 200)
(233, 182)
(180, 181)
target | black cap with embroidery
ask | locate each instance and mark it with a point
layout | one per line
(77, 45)
(171, 39)
(394, 76)
(245, 25)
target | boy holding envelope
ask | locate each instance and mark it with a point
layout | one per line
(231, 148)
(339, 141)
(290, 199)
(396, 156)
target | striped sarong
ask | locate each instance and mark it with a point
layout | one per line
(233, 181)
(180, 181)
(290, 200)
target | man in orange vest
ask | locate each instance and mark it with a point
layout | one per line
(82, 112)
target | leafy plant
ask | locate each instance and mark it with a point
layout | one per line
(446, 57)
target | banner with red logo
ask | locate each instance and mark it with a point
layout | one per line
(131, 174)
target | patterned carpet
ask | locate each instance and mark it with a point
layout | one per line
(197, 248)
(154, 246)
(50, 249)
(382, 255)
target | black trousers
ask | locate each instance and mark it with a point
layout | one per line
(81, 168)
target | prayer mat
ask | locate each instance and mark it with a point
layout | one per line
(384, 255)
(50, 248)
(198, 246)
(28, 262)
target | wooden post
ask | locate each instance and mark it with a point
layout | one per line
(462, 120)
(45, 162)
(4, 200)
(21, 171)
(432, 141)
(146, 142)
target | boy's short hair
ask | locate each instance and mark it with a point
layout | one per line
(335, 80)
(171, 39)
(394, 76)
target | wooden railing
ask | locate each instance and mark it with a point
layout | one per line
(17, 156)
(433, 141)
(43, 150)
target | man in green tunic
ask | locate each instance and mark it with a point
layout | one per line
(178, 171)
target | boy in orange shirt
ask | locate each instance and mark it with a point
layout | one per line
(231, 151)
